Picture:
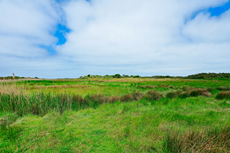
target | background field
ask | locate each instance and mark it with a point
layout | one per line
(115, 115)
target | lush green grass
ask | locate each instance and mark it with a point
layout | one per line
(143, 115)
(119, 127)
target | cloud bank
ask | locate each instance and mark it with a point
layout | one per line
(106, 37)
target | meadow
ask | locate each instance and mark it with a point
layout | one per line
(115, 115)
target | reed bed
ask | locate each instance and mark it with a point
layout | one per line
(41, 104)
(10, 88)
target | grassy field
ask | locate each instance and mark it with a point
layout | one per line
(115, 115)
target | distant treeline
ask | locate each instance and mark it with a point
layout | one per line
(209, 75)
(16, 77)
(194, 76)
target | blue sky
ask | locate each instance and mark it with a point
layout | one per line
(70, 38)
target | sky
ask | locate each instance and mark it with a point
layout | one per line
(73, 38)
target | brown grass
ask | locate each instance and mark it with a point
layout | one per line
(146, 87)
(9, 88)
(65, 86)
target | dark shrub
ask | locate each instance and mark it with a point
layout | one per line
(186, 88)
(223, 95)
(99, 98)
(112, 99)
(199, 92)
(146, 87)
(153, 95)
(117, 76)
(137, 95)
(173, 94)
(223, 88)
(127, 97)
(78, 100)
(210, 89)
(184, 95)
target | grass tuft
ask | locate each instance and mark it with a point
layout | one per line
(223, 95)
(209, 140)
(173, 94)
(198, 92)
(153, 96)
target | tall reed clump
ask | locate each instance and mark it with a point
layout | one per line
(40, 103)
(207, 141)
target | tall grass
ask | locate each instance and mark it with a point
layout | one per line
(9, 88)
(41, 104)
(13, 100)
(210, 140)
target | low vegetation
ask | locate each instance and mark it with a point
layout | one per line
(115, 114)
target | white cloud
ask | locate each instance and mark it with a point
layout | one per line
(206, 28)
(24, 25)
(142, 32)
(142, 37)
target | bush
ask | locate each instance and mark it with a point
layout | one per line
(223, 95)
(117, 76)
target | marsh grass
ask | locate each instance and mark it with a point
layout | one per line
(208, 140)
(116, 116)
(40, 103)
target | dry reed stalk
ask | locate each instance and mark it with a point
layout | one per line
(9, 88)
